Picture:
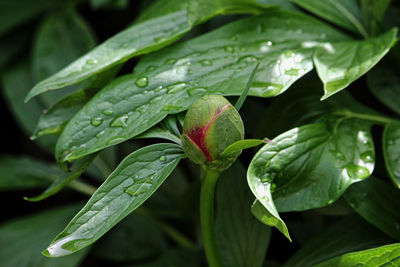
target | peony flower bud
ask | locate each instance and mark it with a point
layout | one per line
(211, 124)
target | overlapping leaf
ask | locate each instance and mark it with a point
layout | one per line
(218, 62)
(311, 166)
(378, 203)
(391, 151)
(132, 182)
(339, 64)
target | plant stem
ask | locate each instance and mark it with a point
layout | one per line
(369, 117)
(82, 187)
(207, 216)
(168, 230)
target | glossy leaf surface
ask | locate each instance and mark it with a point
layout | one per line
(242, 240)
(169, 81)
(381, 256)
(345, 13)
(31, 234)
(241, 144)
(355, 234)
(128, 186)
(378, 203)
(391, 151)
(340, 64)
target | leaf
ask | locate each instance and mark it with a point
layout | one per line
(384, 255)
(240, 145)
(133, 234)
(384, 83)
(15, 83)
(65, 178)
(136, 178)
(311, 166)
(373, 12)
(355, 234)
(391, 153)
(163, 83)
(140, 38)
(23, 172)
(53, 120)
(345, 13)
(158, 132)
(242, 240)
(29, 235)
(13, 14)
(378, 203)
(339, 64)
(266, 213)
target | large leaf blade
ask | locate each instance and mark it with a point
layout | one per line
(131, 183)
(384, 255)
(171, 80)
(244, 241)
(378, 203)
(341, 63)
(391, 154)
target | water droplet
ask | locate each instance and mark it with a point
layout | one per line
(278, 61)
(248, 59)
(124, 45)
(159, 89)
(357, 172)
(330, 201)
(173, 88)
(100, 133)
(160, 39)
(96, 121)
(91, 61)
(206, 62)
(116, 140)
(142, 109)
(269, 43)
(120, 121)
(150, 68)
(198, 91)
(292, 72)
(171, 108)
(171, 61)
(339, 155)
(368, 157)
(155, 99)
(138, 188)
(229, 49)
(163, 158)
(107, 112)
(145, 92)
(142, 81)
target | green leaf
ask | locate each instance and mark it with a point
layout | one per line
(240, 145)
(384, 83)
(53, 120)
(355, 234)
(311, 166)
(13, 14)
(136, 178)
(64, 179)
(134, 238)
(15, 83)
(242, 240)
(140, 38)
(345, 13)
(391, 152)
(159, 132)
(23, 172)
(378, 203)
(22, 239)
(381, 256)
(266, 212)
(169, 81)
(373, 12)
(340, 64)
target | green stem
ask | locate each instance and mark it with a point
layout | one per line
(369, 117)
(169, 230)
(82, 187)
(207, 216)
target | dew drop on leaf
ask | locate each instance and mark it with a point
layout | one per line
(142, 82)
(367, 157)
(357, 172)
(163, 158)
(206, 62)
(120, 121)
(96, 121)
(91, 61)
(107, 112)
(229, 49)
